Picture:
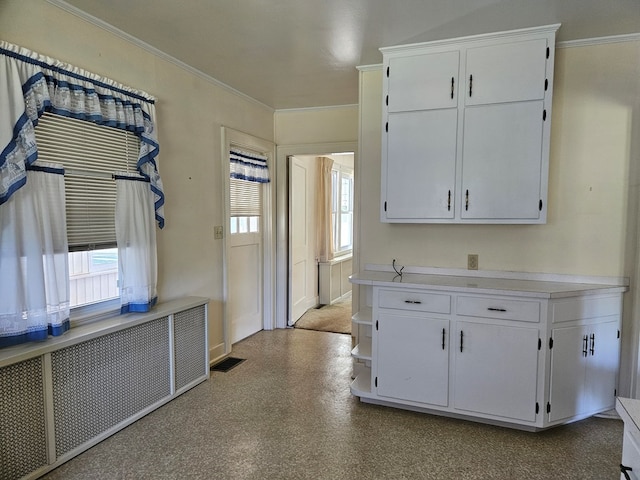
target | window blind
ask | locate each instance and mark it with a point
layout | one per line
(90, 154)
(245, 198)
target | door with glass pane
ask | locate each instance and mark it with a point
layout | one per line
(245, 270)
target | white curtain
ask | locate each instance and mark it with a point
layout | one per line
(136, 238)
(34, 266)
(324, 235)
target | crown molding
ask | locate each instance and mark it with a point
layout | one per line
(586, 42)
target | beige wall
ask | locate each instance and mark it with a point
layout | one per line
(316, 125)
(593, 183)
(190, 111)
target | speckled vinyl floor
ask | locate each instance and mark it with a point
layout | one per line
(286, 413)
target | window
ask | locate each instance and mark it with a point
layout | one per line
(90, 154)
(245, 206)
(342, 208)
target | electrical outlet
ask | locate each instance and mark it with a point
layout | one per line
(472, 261)
(217, 232)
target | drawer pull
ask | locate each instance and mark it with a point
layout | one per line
(494, 309)
(413, 302)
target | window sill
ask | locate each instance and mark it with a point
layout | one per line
(96, 327)
(342, 257)
(88, 314)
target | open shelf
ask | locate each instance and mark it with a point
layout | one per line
(362, 383)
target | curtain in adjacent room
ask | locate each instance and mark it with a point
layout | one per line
(34, 266)
(31, 84)
(136, 238)
(324, 235)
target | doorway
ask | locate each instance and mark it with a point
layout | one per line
(248, 247)
(312, 280)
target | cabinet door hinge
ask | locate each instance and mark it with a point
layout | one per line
(540, 205)
(544, 115)
(548, 407)
(537, 408)
(387, 100)
(388, 67)
(547, 53)
(376, 325)
(376, 382)
(550, 343)
(546, 84)
(539, 344)
(386, 127)
(615, 392)
(618, 334)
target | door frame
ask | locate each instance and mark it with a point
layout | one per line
(283, 152)
(240, 139)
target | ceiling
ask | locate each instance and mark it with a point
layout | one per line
(303, 53)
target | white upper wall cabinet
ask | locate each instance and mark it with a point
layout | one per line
(466, 125)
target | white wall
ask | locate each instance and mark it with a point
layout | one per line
(593, 185)
(190, 110)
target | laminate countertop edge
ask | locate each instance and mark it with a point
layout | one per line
(486, 285)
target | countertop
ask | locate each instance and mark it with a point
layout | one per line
(629, 410)
(486, 284)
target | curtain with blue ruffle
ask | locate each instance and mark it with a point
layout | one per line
(250, 166)
(34, 298)
(32, 84)
(136, 238)
(34, 264)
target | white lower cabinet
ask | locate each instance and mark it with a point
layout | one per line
(496, 370)
(518, 358)
(584, 369)
(629, 411)
(412, 357)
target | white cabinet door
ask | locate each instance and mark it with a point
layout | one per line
(630, 453)
(423, 82)
(509, 72)
(568, 370)
(413, 357)
(584, 369)
(496, 370)
(602, 367)
(420, 165)
(502, 161)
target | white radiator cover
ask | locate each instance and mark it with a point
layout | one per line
(60, 397)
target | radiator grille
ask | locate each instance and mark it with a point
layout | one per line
(102, 382)
(22, 419)
(189, 339)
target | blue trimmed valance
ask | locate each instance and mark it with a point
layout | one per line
(31, 84)
(248, 166)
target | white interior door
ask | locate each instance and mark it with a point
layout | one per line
(303, 283)
(245, 284)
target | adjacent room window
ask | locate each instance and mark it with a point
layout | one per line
(90, 154)
(342, 208)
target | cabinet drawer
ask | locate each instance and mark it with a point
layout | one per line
(414, 300)
(581, 308)
(488, 307)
